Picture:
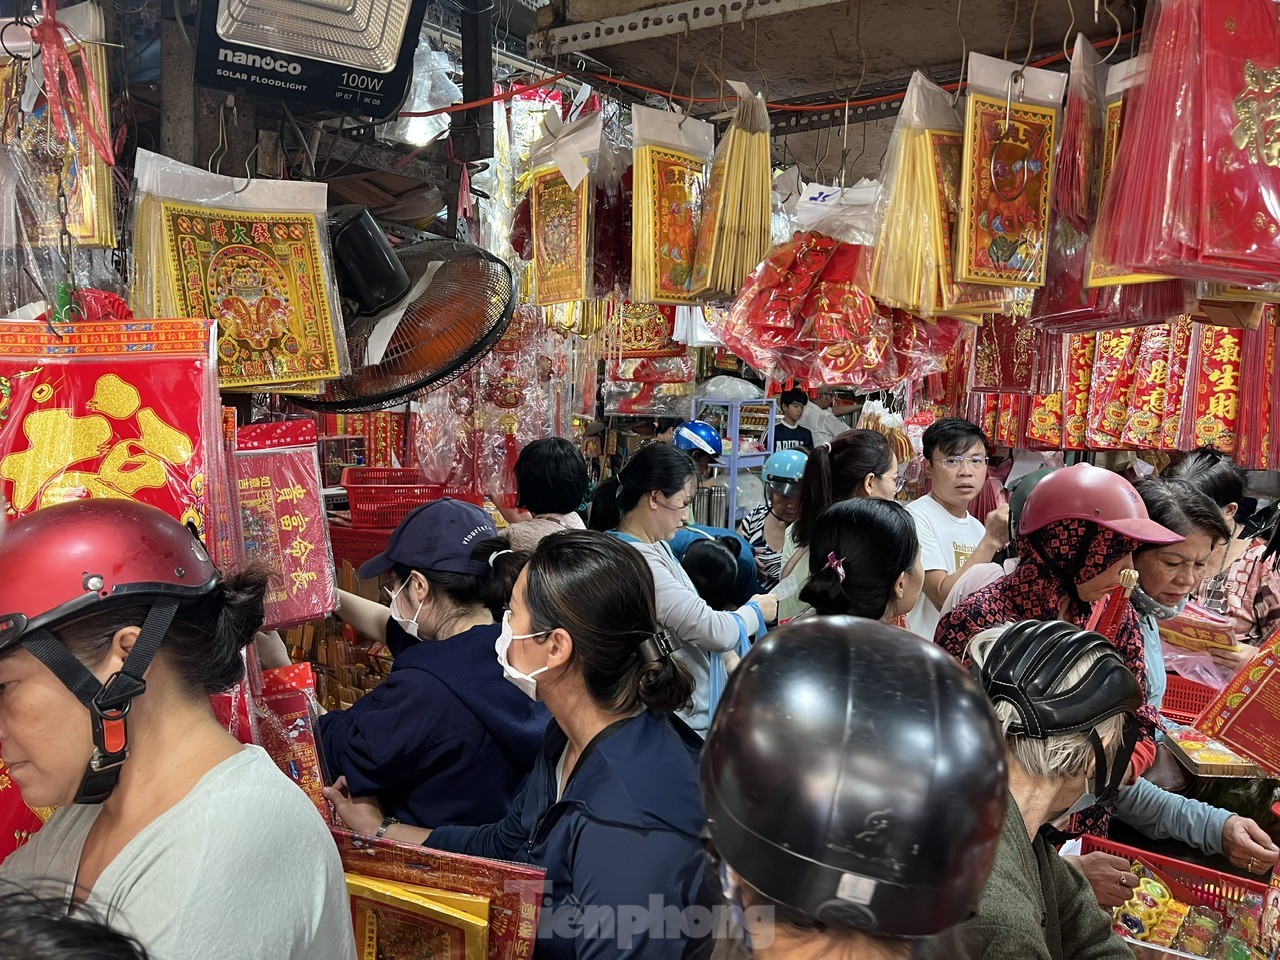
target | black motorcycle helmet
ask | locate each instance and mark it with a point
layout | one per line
(1031, 658)
(855, 774)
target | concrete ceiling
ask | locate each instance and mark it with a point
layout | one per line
(823, 54)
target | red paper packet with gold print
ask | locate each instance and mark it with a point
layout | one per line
(1114, 368)
(1214, 388)
(1149, 396)
(1181, 333)
(1081, 351)
(1240, 160)
(1044, 421)
(115, 407)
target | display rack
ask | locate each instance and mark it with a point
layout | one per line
(734, 460)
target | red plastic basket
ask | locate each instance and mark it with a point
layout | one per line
(355, 545)
(1203, 884)
(381, 496)
(1185, 700)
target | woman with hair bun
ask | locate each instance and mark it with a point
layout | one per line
(856, 464)
(645, 505)
(115, 627)
(864, 561)
(611, 809)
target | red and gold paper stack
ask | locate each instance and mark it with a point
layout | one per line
(1081, 352)
(1109, 388)
(1004, 219)
(1213, 390)
(283, 519)
(514, 891)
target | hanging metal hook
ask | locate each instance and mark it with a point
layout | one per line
(755, 61)
(248, 174)
(964, 53)
(1119, 33)
(1067, 37)
(675, 77)
(1013, 25)
(692, 92)
(1031, 40)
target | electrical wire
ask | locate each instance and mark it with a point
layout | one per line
(819, 107)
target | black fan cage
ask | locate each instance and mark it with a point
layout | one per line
(445, 332)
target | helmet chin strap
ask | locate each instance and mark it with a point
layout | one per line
(108, 704)
(1109, 777)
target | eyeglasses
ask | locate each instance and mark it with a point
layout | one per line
(954, 463)
(678, 507)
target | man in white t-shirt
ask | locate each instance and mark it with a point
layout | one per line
(822, 416)
(951, 540)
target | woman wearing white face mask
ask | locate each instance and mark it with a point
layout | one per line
(611, 809)
(444, 739)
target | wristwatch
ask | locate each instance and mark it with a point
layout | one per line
(386, 822)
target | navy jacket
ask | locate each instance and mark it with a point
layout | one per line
(444, 739)
(624, 835)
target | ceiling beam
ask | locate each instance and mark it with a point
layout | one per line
(666, 20)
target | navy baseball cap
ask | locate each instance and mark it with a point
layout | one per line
(439, 535)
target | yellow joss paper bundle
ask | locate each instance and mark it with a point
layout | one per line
(916, 210)
(735, 232)
(255, 257)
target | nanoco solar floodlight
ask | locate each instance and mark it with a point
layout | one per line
(361, 34)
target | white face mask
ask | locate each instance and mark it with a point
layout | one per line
(408, 624)
(525, 681)
(1086, 800)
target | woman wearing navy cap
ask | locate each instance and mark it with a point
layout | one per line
(444, 739)
(611, 808)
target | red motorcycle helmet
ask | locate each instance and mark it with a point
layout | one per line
(71, 561)
(1086, 492)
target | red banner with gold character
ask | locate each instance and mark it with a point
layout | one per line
(1216, 408)
(1075, 396)
(110, 409)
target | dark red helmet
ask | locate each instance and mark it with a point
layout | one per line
(1086, 492)
(67, 561)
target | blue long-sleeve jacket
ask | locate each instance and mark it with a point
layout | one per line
(621, 846)
(444, 739)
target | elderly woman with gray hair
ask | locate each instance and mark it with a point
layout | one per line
(1067, 706)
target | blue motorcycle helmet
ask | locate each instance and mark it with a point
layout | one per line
(696, 436)
(783, 470)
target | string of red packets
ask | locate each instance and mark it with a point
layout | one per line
(60, 82)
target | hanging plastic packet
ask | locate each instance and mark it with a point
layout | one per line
(252, 254)
(1076, 170)
(561, 202)
(1120, 78)
(672, 155)
(58, 136)
(916, 208)
(1011, 125)
(612, 239)
(432, 89)
(736, 226)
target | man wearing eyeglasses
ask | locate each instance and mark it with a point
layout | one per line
(951, 540)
